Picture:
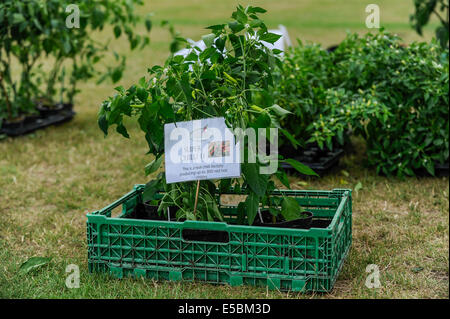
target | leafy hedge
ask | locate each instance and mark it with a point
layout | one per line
(302, 85)
(394, 96)
(35, 31)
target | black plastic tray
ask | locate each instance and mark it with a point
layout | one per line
(31, 124)
(318, 160)
(440, 170)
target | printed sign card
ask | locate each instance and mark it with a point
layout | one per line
(199, 150)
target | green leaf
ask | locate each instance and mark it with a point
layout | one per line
(103, 123)
(251, 205)
(18, 18)
(216, 27)
(240, 16)
(256, 181)
(262, 121)
(33, 263)
(241, 213)
(235, 26)
(282, 177)
(290, 208)
(150, 189)
(429, 165)
(256, 10)
(153, 165)
(291, 138)
(167, 111)
(279, 110)
(299, 167)
(121, 129)
(255, 23)
(142, 94)
(208, 39)
(148, 24)
(117, 31)
(116, 75)
(270, 37)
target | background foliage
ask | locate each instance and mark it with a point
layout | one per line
(394, 96)
(32, 31)
(424, 10)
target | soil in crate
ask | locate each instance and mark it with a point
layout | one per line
(35, 122)
(266, 220)
(146, 211)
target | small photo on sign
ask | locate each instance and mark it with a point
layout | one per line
(219, 149)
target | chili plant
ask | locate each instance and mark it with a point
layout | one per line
(225, 80)
(395, 97)
(32, 31)
(301, 89)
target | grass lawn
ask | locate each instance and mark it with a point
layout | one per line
(50, 179)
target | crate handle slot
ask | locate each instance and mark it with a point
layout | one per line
(203, 235)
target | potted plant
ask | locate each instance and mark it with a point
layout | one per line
(34, 31)
(225, 80)
(303, 81)
(395, 97)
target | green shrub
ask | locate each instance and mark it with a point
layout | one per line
(396, 97)
(32, 31)
(301, 89)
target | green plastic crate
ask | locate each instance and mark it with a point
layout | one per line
(279, 258)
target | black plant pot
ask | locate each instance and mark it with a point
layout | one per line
(46, 111)
(68, 107)
(300, 223)
(32, 118)
(13, 125)
(150, 212)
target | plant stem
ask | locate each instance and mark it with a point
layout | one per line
(52, 78)
(8, 103)
(196, 196)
